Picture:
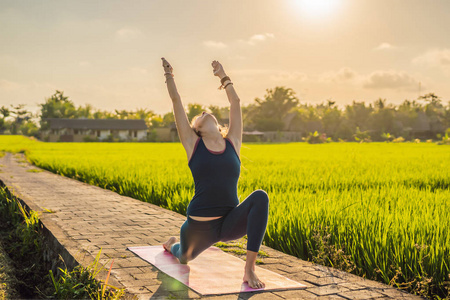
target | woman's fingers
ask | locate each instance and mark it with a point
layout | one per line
(216, 65)
(166, 65)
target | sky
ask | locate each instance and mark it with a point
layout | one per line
(108, 53)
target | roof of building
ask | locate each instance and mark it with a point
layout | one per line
(254, 132)
(115, 124)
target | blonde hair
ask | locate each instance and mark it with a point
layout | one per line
(222, 129)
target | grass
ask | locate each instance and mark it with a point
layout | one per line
(35, 170)
(23, 271)
(80, 283)
(8, 281)
(23, 246)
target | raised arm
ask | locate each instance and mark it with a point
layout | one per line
(185, 131)
(235, 128)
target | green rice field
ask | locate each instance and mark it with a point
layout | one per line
(378, 210)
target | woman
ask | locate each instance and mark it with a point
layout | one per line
(214, 213)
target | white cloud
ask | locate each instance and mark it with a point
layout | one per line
(288, 76)
(379, 79)
(434, 58)
(29, 93)
(343, 74)
(8, 85)
(385, 46)
(41, 85)
(253, 40)
(257, 38)
(214, 44)
(128, 33)
(390, 80)
(274, 75)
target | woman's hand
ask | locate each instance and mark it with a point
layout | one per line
(218, 69)
(167, 67)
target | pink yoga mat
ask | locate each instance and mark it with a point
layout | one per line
(213, 272)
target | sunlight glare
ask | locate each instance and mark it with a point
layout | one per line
(317, 8)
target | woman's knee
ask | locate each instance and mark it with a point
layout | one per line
(188, 256)
(261, 196)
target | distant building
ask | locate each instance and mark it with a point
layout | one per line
(78, 130)
(164, 134)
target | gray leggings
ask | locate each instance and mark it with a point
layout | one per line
(249, 217)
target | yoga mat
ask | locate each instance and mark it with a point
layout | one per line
(213, 272)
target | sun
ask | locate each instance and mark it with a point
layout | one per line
(317, 8)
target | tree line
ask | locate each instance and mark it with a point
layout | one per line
(279, 110)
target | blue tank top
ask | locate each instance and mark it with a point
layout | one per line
(216, 174)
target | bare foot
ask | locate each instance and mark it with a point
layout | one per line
(167, 245)
(252, 280)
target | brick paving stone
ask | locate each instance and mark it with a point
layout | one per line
(130, 271)
(87, 218)
(352, 286)
(109, 246)
(319, 273)
(361, 294)
(145, 276)
(138, 290)
(302, 277)
(187, 294)
(304, 295)
(148, 268)
(289, 269)
(257, 295)
(325, 280)
(396, 294)
(132, 283)
(127, 263)
(328, 289)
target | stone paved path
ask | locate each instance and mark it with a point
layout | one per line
(87, 218)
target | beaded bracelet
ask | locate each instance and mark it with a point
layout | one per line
(222, 81)
(222, 87)
(227, 85)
